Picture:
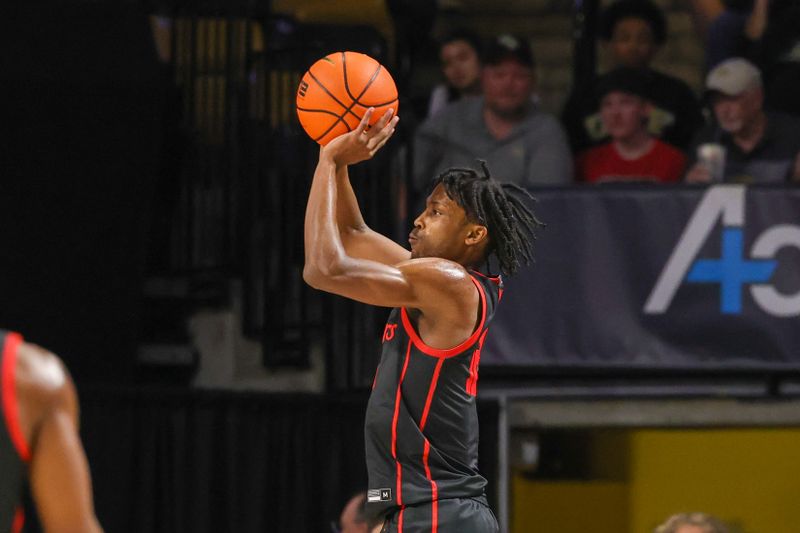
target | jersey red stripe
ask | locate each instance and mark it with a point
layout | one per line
(494, 279)
(10, 406)
(19, 521)
(431, 389)
(434, 488)
(457, 350)
(398, 395)
(472, 380)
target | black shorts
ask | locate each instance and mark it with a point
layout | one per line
(456, 515)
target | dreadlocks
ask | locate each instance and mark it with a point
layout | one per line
(498, 206)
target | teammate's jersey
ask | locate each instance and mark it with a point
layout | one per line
(14, 452)
(421, 427)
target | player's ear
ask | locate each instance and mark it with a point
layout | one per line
(476, 235)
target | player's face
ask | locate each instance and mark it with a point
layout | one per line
(624, 115)
(735, 113)
(460, 64)
(507, 87)
(441, 228)
(633, 43)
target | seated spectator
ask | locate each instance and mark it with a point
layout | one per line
(632, 154)
(633, 31)
(520, 143)
(760, 147)
(777, 53)
(691, 523)
(728, 23)
(459, 53)
(763, 31)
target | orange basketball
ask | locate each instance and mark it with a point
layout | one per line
(338, 89)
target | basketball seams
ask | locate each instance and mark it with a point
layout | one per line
(339, 118)
(357, 99)
(336, 99)
(321, 86)
(307, 110)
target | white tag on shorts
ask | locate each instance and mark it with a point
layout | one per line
(379, 495)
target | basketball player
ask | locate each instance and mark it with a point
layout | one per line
(39, 441)
(421, 422)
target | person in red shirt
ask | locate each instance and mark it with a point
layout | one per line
(633, 154)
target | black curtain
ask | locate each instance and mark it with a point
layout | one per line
(211, 461)
(81, 118)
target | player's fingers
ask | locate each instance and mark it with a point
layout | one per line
(383, 140)
(364, 124)
(385, 119)
(384, 133)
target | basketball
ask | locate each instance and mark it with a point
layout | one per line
(338, 89)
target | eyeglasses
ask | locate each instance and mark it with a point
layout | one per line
(335, 527)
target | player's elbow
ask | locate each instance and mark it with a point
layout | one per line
(319, 274)
(312, 276)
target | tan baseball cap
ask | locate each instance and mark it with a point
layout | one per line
(733, 77)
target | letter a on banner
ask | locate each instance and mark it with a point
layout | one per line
(721, 201)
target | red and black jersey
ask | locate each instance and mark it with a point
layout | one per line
(421, 427)
(14, 453)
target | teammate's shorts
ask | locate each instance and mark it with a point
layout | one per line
(456, 515)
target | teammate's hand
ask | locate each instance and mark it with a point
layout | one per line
(363, 142)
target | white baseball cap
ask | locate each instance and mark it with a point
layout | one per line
(733, 77)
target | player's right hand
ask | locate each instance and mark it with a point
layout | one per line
(363, 142)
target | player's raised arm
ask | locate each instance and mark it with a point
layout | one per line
(329, 266)
(358, 239)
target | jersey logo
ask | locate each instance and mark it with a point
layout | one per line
(379, 495)
(388, 332)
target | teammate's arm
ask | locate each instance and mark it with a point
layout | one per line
(59, 472)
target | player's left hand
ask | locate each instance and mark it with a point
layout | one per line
(363, 142)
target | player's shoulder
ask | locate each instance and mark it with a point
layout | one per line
(437, 273)
(40, 374)
(434, 265)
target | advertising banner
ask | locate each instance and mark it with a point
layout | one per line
(660, 278)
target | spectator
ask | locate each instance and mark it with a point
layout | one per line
(759, 146)
(764, 31)
(354, 518)
(633, 31)
(691, 523)
(522, 144)
(459, 53)
(632, 154)
(777, 53)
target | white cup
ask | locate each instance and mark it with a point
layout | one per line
(712, 156)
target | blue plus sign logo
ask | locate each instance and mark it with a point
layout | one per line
(731, 271)
(736, 267)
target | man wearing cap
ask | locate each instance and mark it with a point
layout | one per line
(758, 146)
(520, 143)
(633, 153)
